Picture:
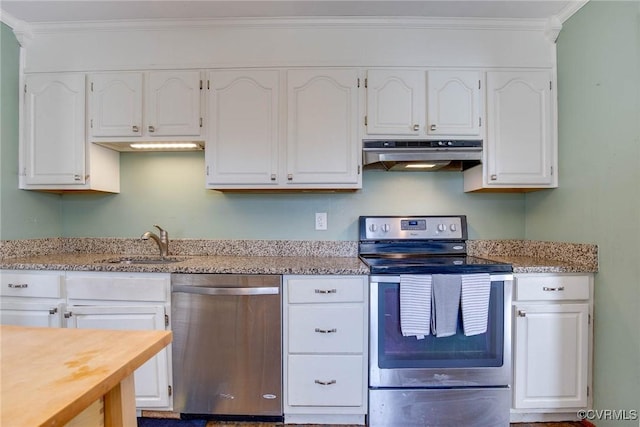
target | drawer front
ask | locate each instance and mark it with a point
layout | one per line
(326, 289)
(552, 287)
(31, 285)
(326, 328)
(117, 288)
(325, 380)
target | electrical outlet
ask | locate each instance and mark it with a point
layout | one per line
(321, 220)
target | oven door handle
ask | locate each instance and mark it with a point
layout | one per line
(504, 277)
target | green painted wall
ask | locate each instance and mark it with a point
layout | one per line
(23, 214)
(599, 196)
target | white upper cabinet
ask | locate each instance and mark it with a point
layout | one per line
(173, 103)
(453, 103)
(323, 147)
(116, 104)
(54, 154)
(395, 102)
(424, 103)
(520, 150)
(243, 112)
(146, 105)
(54, 138)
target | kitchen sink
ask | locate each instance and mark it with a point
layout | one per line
(142, 260)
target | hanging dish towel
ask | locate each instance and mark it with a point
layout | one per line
(415, 305)
(445, 304)
(475, 303)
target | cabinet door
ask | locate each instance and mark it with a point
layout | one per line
(54, 137)
(116, 104)
(243, 109)
(551, 355)
(453, 103)
(48, 315)
(520, 146)
(322, 137)
(152, 378)
(395, 102)
(173, 103)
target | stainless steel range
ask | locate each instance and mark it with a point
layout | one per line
(440, 335)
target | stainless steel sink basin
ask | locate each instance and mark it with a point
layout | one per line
(142, 260)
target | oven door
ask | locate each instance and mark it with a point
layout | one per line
(450, 362)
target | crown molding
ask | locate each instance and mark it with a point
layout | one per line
(571, 8)
(295, 23)
(20, 28)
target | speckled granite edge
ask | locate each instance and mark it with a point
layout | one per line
(192, 247)
(541, 256)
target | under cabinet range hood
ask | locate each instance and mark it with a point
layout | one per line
(152, 146)
(421, 155)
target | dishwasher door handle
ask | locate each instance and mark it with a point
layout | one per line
(204, 290)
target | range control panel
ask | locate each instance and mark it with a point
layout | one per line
(413, 227)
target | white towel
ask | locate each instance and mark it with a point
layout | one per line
(415, 305)
(475, 303)
(445, 305)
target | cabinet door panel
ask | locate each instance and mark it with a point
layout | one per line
(48, 315)
(551, 348)
(322, 138)
(243, 112)
(453, 103)
(116, 104)
(173, 107)
(152, 378)
(395, 102)
(519, 132)
(55, 129)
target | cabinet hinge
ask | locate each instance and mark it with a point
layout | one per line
(550, 85)
(166, 320)
(479, 121)
(201, 86)
(200, 121)
(366, 83)
(91, 123)
(207, 170)
(589, 319)
(358, 169)
(479, 84)
(208, 84)
(588, 391)
(91, 86)
(358, 81)
(170, 390)
(365, 120)
(25, 88)
(551, 170)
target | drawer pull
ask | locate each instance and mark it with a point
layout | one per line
(53, 310)
(326, 291)
(68, 315)
(522, 313)
(18, 286)
(558, 289)
(325, 382)
(326, 331)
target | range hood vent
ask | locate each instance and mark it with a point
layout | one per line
(152, 146)
(420, 155)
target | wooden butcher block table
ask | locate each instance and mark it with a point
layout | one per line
(54, 376)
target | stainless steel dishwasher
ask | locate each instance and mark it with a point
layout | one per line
(227, 345)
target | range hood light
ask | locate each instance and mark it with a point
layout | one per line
(165, 146)
(420, 165)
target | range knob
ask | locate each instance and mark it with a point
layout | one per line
(386, 228)
(373, 228)
(452, 227)
(442, 227)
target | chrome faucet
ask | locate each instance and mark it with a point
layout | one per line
(162, 241)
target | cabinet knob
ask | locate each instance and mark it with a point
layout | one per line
(433, 127)
(135, 129)
(522, 313)
(416, 127)
(18, 286)
(494, 177)
(290, 177)
(273, 177)
(152, 129)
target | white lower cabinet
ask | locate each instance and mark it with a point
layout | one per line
(31, 298)
(552, 346)
(325, 349)
(126, 301)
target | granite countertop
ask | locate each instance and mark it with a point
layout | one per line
(270, 257)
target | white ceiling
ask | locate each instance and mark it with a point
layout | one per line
(38, 11)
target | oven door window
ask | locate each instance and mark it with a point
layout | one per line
(457, 351)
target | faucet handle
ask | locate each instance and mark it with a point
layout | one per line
(163, 232)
